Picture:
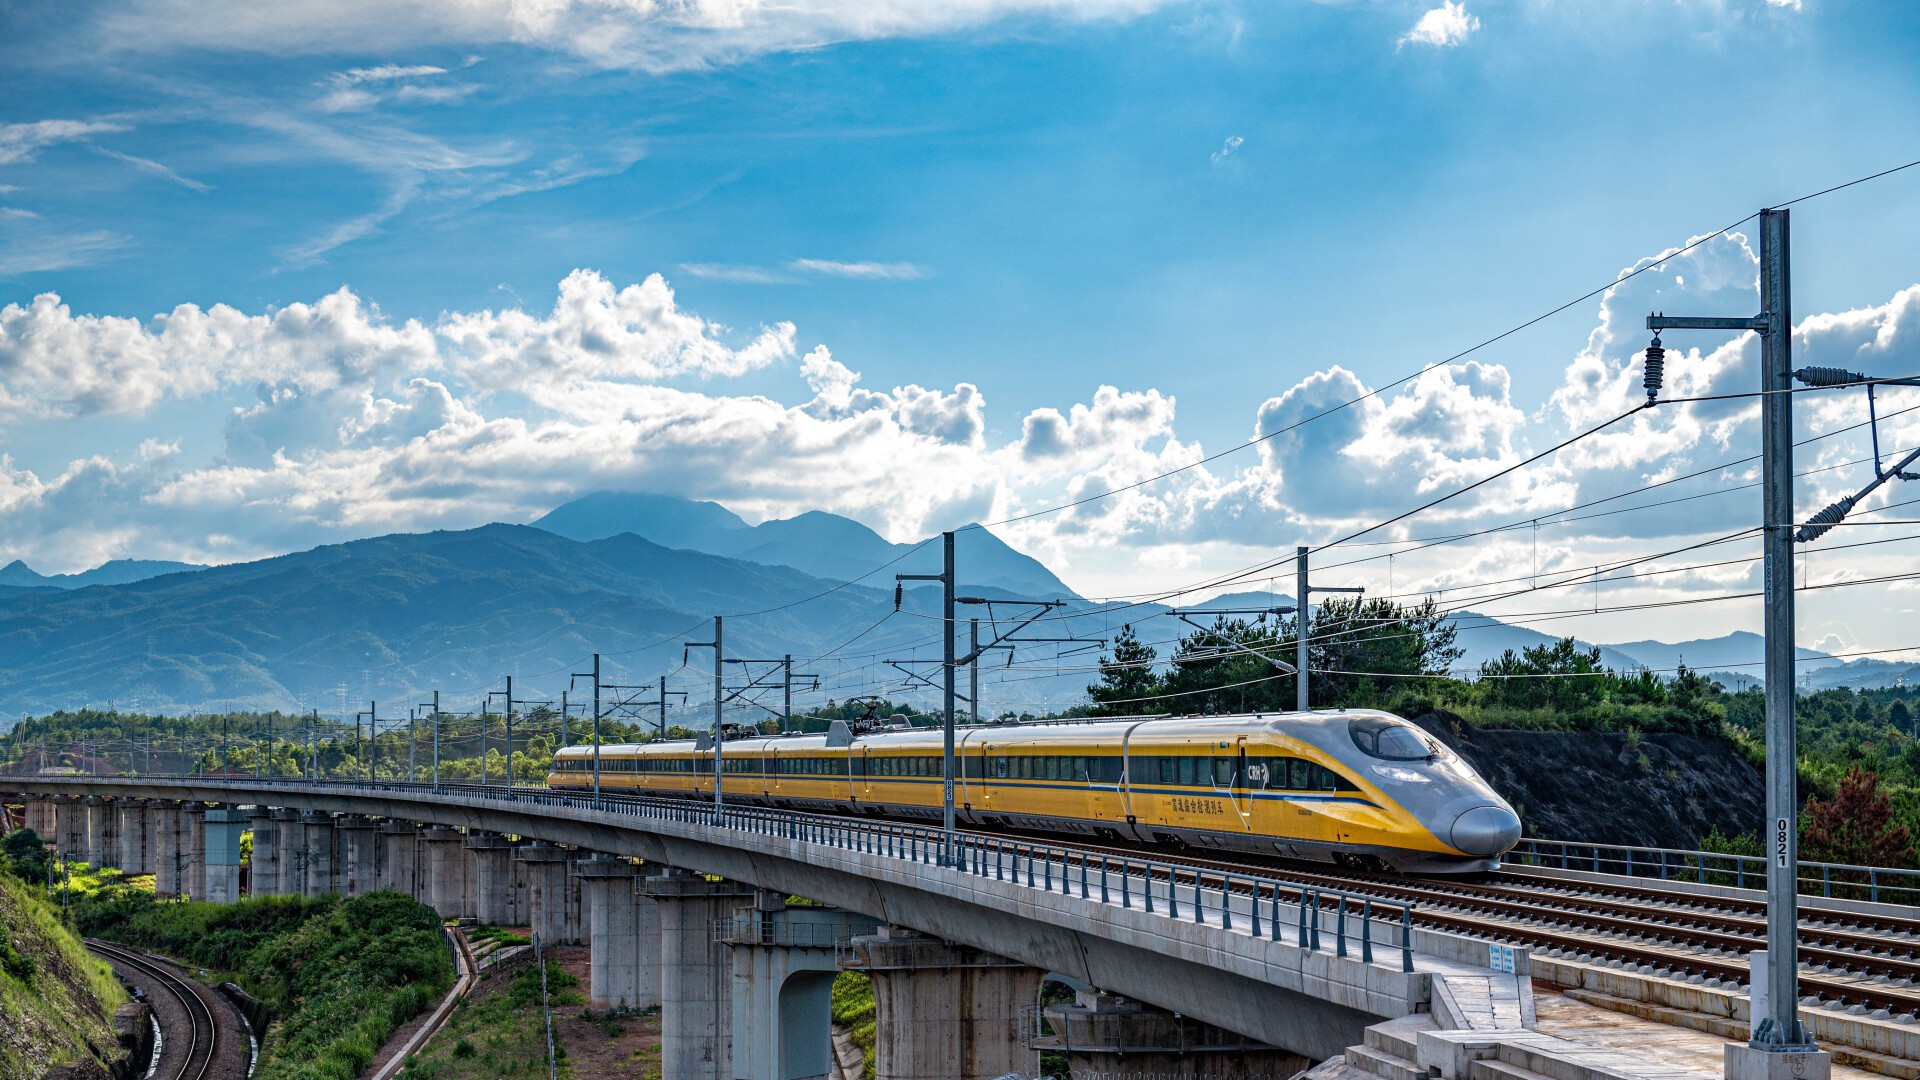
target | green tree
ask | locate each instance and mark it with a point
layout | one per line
(25, 853)
(1128, 683)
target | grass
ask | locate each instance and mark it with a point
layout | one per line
(56, 999)
(501, 1034)
(853, 1008)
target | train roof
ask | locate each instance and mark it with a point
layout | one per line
(1038, 733)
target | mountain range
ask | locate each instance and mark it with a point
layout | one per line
(395, 617)
(821, 544)
(19, 575)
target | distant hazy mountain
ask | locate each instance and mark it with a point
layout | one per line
(1738, 651)
(116, 572)
(817, 543)
(1483, 638)
(396, 616)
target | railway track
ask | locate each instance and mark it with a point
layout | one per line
(1710, 941)
(194, 1059)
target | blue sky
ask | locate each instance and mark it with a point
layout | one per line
(1204, 206)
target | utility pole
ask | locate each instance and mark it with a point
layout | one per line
(1303, 608)
(946, 579)
(719, 699)
(436, 740)
(1776, 1027)
(973, 669)
(786, 708)
(595, 676)
(313, 754)
(413, 743)
(484, 700)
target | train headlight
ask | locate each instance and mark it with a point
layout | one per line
(1405, 776)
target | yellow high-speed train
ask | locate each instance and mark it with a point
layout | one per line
(1356, 787)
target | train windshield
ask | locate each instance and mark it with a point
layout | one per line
(1377, 736)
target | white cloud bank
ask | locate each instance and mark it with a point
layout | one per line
(340, 422)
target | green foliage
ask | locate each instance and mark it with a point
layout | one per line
(340, 974)
(24, 854)
(853, 1008)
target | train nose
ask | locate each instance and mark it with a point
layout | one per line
(1485, 830)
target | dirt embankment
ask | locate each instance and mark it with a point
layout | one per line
(1648, 790)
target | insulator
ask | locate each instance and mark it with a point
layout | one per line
(1656, 368)
(1828, 376)
(1821, 523)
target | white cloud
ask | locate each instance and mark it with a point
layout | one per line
(1443, 27)
(597, 332)
(150, 166)
(359, 89)
(872, 271)
(750, 275)
(1227, 149)
(27, 247)
(19, 142)
(642, 34)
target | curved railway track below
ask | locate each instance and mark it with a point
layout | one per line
(196, 1026)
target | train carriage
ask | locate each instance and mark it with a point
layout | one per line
(1352, 786)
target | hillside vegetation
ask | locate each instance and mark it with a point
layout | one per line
(56, 999)
(340, 974)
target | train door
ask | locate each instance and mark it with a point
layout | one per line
(1230, 780)
(861, 784)
(984, 786)
(775, 779)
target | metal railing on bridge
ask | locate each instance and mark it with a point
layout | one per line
(1879, 884)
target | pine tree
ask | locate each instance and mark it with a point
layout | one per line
(1128, 682)
(1856, 826)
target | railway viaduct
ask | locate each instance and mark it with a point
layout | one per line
(693, 909)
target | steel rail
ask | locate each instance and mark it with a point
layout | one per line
(200, 1051)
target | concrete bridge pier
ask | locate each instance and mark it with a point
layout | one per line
(493, 886)
(448, 880)
(546, 867)
(400, 858)
(317, 842)
(101, 841)
(268, 855)
(1103, 1034)
(696, 977)
(944, 1011)
(623, 936)
(783, 970)
(133, 836)
(193, 850)
(169, 862)
(40, 818)
(360, 854)
(70, 829)
(222, 854)
(290, 878)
